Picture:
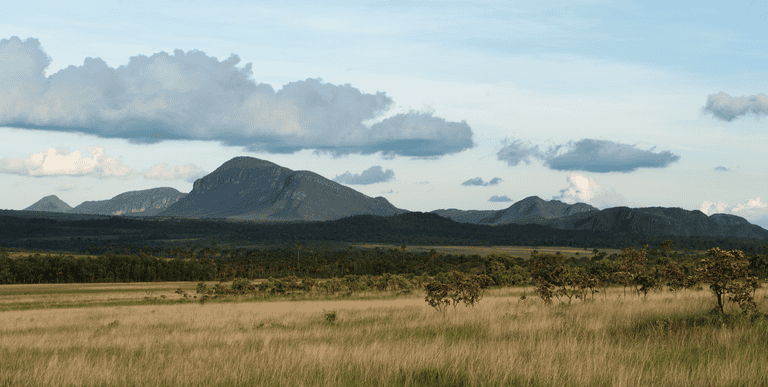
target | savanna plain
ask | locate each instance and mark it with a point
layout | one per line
(162, 334)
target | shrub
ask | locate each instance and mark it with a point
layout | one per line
(330, 317)
(240, 285)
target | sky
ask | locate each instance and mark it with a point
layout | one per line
(430, 104)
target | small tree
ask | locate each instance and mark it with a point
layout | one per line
(726, 273)
(437, 295)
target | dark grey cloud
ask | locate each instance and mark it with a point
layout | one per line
(589, 155)
(480, 182)
(516, 152)
(502, 198)
(191, 96)
(722, 169)
(727, 108)
(371, 175)
(608, 156)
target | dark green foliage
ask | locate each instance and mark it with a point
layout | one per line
(456, 287)
(726, 273)
(240, 285)
(89, 233)
(37, 268)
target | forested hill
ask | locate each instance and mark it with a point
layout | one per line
(410, 228)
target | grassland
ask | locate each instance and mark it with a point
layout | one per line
(663, 340)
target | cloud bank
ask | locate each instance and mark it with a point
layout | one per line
(754, 210)
(583, 189)
(371, 175)
(62, 162)
(727, 108)
(502, 198)
(480, 182)
(191, 96)
(589, 155)
(722, 169)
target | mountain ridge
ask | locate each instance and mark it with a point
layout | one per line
(247, 188)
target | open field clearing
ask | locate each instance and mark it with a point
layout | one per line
(515, 251)
(663, 340)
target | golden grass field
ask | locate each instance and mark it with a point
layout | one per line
(503, 341)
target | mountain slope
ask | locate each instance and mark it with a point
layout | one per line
(251, 188)
(146, 202)
(656, 221)
(465, 216)
(50, 203)
(536, 210)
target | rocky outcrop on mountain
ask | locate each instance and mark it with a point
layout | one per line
(146, 202)
(465, 216)
(660, 221)
(50, 203)
(534, 210)
(254, 189)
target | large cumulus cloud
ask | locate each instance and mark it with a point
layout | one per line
(588, 155)
(193, 96)
(584, 189)
(727, 108)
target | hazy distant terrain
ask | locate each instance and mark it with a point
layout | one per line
(251, 189)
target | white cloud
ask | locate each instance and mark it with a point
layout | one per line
(187, 172)
(727, 108)
(583, 189)
(750, 205)
(753, 210)
(62, 162)
(190, 95)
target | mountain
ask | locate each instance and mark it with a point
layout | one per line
(649, 221)
(147, 202)
(465, 216)
(527, 211)
(533, 209)
(50, 203)
(248, 188)
(656, 221)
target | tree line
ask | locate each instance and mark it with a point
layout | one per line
(637, 270)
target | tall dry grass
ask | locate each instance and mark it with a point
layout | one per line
(501, 342)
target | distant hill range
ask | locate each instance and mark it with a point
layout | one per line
(651, 221)
(247, 188)
(531, 210)
(146, 202)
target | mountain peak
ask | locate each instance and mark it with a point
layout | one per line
(250, 188)
(534, 209)
(50, 203)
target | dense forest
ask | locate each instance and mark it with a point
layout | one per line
(63, 233)
(663, 263)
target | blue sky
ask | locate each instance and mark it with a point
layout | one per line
(432, 104)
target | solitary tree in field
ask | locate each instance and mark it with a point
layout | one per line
(726, 273)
